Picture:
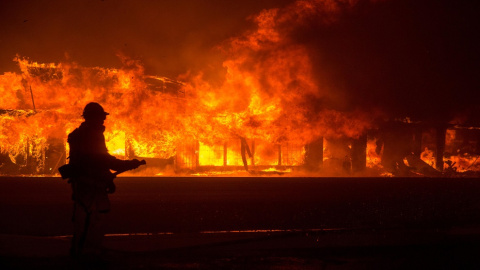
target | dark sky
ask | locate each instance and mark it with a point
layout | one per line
(416, 58)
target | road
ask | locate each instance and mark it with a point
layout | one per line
(289, 221)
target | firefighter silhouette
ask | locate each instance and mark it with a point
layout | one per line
(91, 179)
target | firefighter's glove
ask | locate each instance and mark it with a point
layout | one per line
(135, 163)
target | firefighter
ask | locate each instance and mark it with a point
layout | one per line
(92, 180)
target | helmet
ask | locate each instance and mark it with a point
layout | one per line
(93, 110)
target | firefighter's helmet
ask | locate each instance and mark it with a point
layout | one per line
(94, 110)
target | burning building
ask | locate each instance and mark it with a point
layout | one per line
(157, 119)
(306, 88)
(34, 130)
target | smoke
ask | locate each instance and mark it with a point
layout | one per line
(415, 59)
(402, 58)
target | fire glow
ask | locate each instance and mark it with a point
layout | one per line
(163, 119)
(263, 113)
(151, 117)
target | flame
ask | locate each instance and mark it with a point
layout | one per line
(211, 155)
(460, 158)
(428, 156)
(464, 163)
(374, 159)
(151, 123)
(268, 95)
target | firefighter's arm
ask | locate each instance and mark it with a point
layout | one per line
(124, 165)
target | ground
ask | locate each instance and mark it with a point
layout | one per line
(251, 223)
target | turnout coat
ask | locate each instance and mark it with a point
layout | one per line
(91, 163)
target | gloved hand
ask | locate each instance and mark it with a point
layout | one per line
(135, 163)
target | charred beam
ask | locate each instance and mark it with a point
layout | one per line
(359, 154)
(440, 141)
(245, 150)
(417, 144)
(314, 155)
(279, 155)
(253, 153)
(33, 101)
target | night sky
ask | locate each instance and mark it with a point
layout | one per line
(408, 58)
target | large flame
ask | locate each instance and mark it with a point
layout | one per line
(267, 100)
(264, 98)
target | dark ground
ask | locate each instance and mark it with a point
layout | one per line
(251, 223)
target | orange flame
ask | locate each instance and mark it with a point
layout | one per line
(268, 96)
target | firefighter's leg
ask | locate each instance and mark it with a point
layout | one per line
(95, 233)
(81, 220)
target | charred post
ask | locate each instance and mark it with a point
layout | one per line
(440, 141)
(314, 155)
(244, 149)
(252, 158)
(417, 143)
(359, 154)
(279, 155)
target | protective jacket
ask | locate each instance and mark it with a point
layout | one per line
(92, 164)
